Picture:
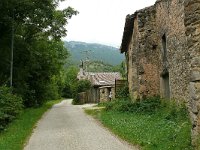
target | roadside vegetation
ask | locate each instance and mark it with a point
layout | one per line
(17, 133)
(73, 86)
(35, 73)
(31, 32)
(10, 106)
(80, 86)
(153, 124)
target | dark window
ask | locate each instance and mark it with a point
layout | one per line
(164, 50)
(165, 74)
(165, 85)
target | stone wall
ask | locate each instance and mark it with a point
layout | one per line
(131, 63)
(145, 55)
(192, 24)
(148, 54)
(163, 54)
(143, 69)
(105, 92)
(147, 66)
(170, 23)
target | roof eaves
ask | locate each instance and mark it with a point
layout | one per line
(128, 31)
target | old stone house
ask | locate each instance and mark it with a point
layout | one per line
(107, 93)
(103, 83)
(162, 48)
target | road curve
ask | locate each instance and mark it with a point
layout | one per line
(67, 127)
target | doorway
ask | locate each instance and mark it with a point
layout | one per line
(166, 85)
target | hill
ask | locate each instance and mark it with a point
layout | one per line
(98, 66)
(93, 52)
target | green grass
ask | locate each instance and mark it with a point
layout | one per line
(165, 129)
(20, 129)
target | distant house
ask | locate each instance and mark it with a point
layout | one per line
(102, 84)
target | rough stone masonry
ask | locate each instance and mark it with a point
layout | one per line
(162, 48)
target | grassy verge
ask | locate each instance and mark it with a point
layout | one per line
(166, 128)
(17, 132)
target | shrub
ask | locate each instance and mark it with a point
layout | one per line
(80, 86)
(83, 85)
(148, 105)
(10, 106)
(67, 91)
(123, 92)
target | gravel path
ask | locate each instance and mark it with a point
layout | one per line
(67, 127)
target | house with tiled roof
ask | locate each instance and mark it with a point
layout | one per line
(102, 84)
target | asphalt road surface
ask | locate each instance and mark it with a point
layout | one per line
(67, 127)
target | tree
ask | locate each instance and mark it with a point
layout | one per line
(39, 53)
(70, 78)
(121, 68)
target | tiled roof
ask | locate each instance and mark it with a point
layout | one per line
(102, 78)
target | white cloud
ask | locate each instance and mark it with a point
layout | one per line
(100, 21)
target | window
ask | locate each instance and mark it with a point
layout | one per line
(165, 86)
(165, 74)
(164, 47)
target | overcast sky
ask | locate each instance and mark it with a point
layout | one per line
(101, 21)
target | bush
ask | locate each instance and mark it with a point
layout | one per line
(80, 86)
(70, 81)
(148, 105)
(39, 93)
(123, 92)
(83, 85)
(67, 91)
(10, 106)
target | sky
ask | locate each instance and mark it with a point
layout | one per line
(100, 21)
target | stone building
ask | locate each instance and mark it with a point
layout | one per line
(106, 92)
(162, 48)
(103, 83)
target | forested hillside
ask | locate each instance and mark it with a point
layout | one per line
(98, 66)
(94, 52)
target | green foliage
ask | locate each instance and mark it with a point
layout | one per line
(152, 124)
(148, 105)
(73, 86)
(39, 54)
(67, 91)
(17, 133)
(81, 86)
(151, 132)
(96, 113)
(123, 92)
(70, 81)
(98, 66)
(121, 68)
(42, 74)
(10, 106)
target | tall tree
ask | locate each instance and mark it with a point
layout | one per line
(39, 53)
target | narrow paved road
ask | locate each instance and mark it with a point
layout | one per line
(67, 127)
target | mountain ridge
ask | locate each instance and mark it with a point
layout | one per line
(93, 52)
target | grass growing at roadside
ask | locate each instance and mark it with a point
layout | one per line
(164, 127)
(17, 132)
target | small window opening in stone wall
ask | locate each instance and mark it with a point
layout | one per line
(164, 45)
(165, 81)
(103, 91)
(165, 85)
